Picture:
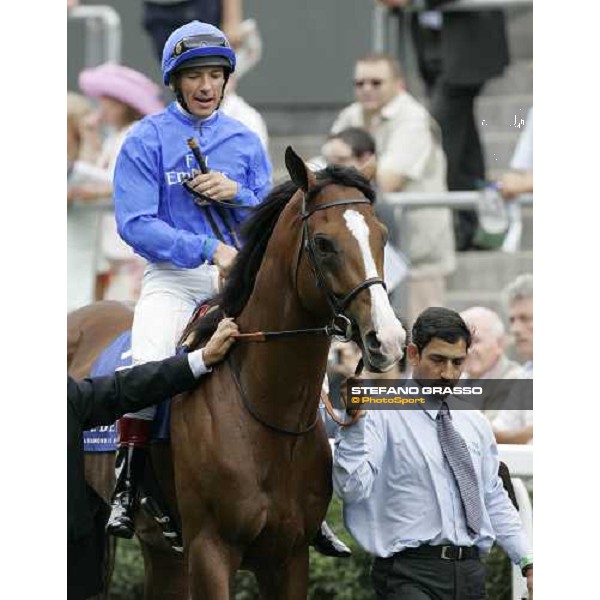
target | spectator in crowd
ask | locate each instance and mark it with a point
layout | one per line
(516, 426)
(82, 225)
(486, 358)
(100, 401)
(161, 17)
(157, 183)
(236, 107)
(410, 159)
(420, 486)
(249, 53)
(124, 97)
(457, 53)
(519, 180)
(351, 147)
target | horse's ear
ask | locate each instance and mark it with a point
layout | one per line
(300, 174)
(369, 169)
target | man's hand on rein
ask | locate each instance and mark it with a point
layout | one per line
(215, 185)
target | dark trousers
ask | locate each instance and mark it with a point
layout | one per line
(85, 556)
(453, 107)
(428, 578)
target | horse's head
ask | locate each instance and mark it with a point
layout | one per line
(342, 253)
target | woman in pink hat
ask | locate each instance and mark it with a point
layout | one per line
(124, 97)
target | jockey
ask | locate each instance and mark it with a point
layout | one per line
(186, 249)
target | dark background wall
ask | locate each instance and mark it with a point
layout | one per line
(309, 48)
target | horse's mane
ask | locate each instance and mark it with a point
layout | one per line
(256, 232)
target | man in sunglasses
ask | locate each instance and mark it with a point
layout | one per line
(158, 183)
(410, 158)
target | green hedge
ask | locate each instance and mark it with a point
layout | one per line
(339, 579)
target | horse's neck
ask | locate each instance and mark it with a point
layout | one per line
(283, 377)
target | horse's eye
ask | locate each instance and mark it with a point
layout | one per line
(324, 246)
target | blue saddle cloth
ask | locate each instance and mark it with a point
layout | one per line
(117, 356)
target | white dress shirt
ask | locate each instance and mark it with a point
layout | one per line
(399, 492)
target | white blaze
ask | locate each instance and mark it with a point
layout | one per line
(388, 329)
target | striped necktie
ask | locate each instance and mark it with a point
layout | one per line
(457, 454)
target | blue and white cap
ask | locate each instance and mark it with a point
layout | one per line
(196, 44)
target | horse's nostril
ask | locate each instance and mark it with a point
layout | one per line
(372, 343)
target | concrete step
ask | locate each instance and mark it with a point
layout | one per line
(498, 149)
(520, 32)
(460, 301)
(527, 234)
(299, 119)
(488, 271)
(516, 79)
(307, 146)
(503, 113)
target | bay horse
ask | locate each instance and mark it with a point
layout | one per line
(251, 475)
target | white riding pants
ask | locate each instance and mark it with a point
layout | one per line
(168, 298)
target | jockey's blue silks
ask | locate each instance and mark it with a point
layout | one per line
(155, 214)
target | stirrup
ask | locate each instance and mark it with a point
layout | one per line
(120, 523)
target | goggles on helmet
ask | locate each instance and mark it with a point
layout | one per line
(198, 41)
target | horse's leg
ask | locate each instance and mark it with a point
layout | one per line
(166, 574)
(212, 567)
(288, 582)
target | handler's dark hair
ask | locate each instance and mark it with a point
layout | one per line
(442, 323)
(360, 140)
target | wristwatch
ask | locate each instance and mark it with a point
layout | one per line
(526, 563)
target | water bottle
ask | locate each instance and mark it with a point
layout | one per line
(493, 218)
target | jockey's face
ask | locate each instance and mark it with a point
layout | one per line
(375, 84)
(202, 88)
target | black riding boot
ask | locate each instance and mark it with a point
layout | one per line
(328, 544)
(130, 464)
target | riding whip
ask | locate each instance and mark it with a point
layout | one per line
(223, 214)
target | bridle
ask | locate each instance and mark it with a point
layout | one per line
(337, 304)
(340, 326)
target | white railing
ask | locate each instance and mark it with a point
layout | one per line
(102, 33)
(466, 199)
(519, 460)
(462, 199)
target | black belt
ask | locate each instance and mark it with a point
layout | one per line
(443, 552)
